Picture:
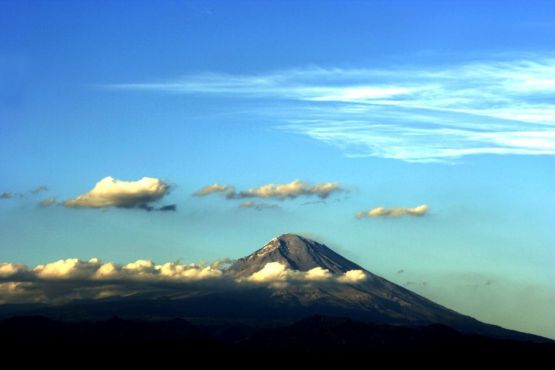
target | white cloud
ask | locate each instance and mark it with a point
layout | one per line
(353, 276)
(420, 210)
(291, 190)
(276, 272)
(317, 274)
(272, 271)
(63, 269)
(110, 192)
(215, 188)
(414, 114)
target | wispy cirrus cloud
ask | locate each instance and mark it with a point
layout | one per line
(414, 114)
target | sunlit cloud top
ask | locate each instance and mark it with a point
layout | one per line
(110, 192)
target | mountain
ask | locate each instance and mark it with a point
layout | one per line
(296, 253)
(372, 300)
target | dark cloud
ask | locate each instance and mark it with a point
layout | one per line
(6, 195)
(48, 202)
(25, 194)
(39, 189)
(149, 208)
(169, 207)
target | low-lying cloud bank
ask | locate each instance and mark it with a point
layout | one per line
(420, 210)
(73, 279)
(291, 190)
(110, 192)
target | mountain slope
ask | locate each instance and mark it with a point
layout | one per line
(374, 299)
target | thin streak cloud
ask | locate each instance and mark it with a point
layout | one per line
(418, 211)
(413, 114)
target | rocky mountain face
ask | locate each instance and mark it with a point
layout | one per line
(296, 253)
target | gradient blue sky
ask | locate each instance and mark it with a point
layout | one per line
(448, 104)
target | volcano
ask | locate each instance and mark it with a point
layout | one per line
(373, 299)
(311, 281)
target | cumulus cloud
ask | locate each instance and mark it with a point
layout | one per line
(110, 192)
(420, 210)
(291, 190)
(353, 276)
(257, 206)
(9, 269)
(276, 272)
(68, 268)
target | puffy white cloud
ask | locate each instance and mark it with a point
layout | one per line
(188, 272)
(107, 270)
(9, 269)
(65, 268)
(272, 271)
(110, 192)
(317, 274)
(353, 276)
(420, 210)
(276, 272)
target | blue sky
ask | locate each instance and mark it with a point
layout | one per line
(447, 104)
